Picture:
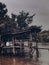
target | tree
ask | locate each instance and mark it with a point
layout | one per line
(36, 30)
(13, 17)
(10, 25)
(23, 19)
(3, 11)
(5, 21)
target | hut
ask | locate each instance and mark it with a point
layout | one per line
(17, 43)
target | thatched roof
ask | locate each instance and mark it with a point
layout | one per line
(22, 34)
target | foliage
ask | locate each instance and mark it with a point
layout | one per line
(3, 11)
(23, 19)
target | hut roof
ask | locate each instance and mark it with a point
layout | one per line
(22, 34)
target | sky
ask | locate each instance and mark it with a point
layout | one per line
(40, 7)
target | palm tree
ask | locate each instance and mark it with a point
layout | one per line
(23, 19)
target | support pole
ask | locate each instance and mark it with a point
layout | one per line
(13, 41)
(37, 51)
(30, 46)
(22, 48)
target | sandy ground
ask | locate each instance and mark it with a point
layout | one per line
(16, 61)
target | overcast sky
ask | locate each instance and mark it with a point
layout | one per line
(40, 7)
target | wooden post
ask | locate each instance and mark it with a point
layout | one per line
(0, 45)
(37, 51)
(13, 41)
(22, 48)
(30, 46)
(0, 39)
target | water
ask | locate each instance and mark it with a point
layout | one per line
(42, 60)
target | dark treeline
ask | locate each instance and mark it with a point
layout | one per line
(16, 22)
